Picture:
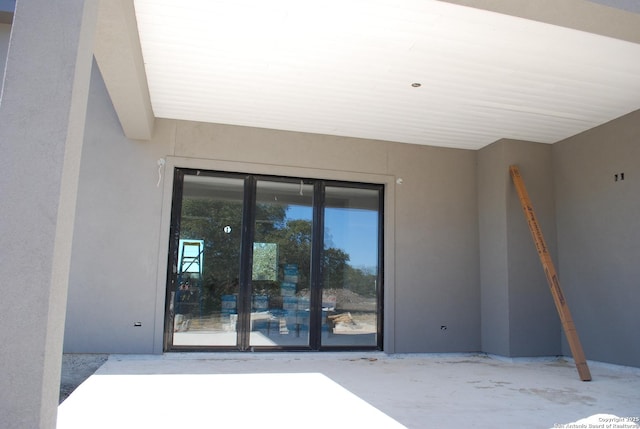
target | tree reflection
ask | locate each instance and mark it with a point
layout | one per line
(206, 219)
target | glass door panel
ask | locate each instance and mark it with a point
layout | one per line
(205, 295)
(259, 262)
(281, 281)
(350, 292)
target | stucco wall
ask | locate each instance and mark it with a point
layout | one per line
(112, 283)
(436, 249)
(535, 325)
(122, 226)
(452, 224)
(518, 314)
(599, 237)
(494, 273)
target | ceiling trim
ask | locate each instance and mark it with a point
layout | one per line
(580, 15)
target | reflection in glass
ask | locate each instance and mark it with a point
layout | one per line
(265, 261)
(281, 264)
(350, 267)
(205, 300)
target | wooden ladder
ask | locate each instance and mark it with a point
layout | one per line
(552, 277)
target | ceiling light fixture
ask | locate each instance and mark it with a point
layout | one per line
(416, 84)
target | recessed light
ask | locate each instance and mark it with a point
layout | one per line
(416, 84)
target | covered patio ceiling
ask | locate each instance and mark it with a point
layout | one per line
(414, 71)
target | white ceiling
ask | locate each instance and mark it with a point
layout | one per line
(345, 67)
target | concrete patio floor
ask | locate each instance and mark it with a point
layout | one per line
(349, 390)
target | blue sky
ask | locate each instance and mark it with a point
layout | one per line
(352, 230)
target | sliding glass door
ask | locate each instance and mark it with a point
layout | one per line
(205, 261)
(260, 262)
(281, 268)
(351, 266)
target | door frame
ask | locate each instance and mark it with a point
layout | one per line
(388, 242)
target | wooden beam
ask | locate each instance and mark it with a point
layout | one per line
(552, 277)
